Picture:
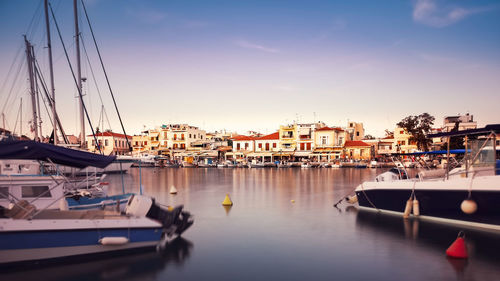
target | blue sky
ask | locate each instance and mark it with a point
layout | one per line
(241, 65)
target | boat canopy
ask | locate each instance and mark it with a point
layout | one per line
(31, 150)
(481, 131)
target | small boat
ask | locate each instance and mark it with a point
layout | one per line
(284, 165)
(306, 165)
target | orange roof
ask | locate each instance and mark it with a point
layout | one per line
(110, 134)
(356, 143)
(242, 138)
(329, 129)
(273, 136)
(325, 129)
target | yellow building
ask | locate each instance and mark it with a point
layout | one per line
(288, 137)
(402, 143)
(140, 143)
(328, 143)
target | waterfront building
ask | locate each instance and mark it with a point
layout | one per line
(140, 144)
(109, 142)
(288, 138)
(241, 146)
(355, 131)
(357, 150)
(464, 122)
(267, 148)
(328, 143)
(402, 142)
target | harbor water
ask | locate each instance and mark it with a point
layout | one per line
(282, 226)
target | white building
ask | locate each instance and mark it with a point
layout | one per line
(109, 142)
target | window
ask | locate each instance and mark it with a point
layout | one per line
(175, 136)
(93, 142)
(189, 135)
(238, 146)
(302, 146)
(182, 136)
(267, 146)
(357, 134)
(324, 140)
(308, 146)
(4, 192)
(260, 145)
(183, 145)
(246, 146)
(274, 145)
(116, 143)
(35, 191)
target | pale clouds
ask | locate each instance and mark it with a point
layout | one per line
(253, 46)
(437, 14)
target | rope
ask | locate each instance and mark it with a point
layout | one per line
(367, 198)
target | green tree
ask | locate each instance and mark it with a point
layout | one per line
(418, 127)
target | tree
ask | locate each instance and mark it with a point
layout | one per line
(418, 127)
(369, 137)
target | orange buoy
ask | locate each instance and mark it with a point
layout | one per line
(458, 248)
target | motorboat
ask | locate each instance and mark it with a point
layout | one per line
(31, 231)
(468, 194)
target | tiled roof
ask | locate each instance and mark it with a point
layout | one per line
(273, 136)
(330, 129)
(242, 138)
(355, 143)
(325, 129)
(110, 134)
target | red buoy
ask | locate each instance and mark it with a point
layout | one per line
(458, 249)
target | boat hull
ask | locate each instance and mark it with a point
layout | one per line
(36, 241)
(440, 200)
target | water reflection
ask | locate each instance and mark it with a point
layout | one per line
(139, 266)
(434, 238)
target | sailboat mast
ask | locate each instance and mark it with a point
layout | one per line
(29, 60)
(51, 70)
(79, 75)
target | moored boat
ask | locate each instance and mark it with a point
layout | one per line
(468, 195)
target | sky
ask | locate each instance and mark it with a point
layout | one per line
(256, 65)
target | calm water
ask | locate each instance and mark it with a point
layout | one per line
(265, 236)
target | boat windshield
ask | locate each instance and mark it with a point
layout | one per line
(483, 153)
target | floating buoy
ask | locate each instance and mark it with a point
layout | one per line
(458, 249)
(416, 208)
(227, 201)
(408, 206)
(113, 240)
(352, 199)
(173, 190)
(293, 201)
(468, 206)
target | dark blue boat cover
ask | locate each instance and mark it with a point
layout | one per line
(31, 150)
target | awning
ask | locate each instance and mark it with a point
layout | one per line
(260, 154)
(302, 153)
(30, 150)
(282, 154)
